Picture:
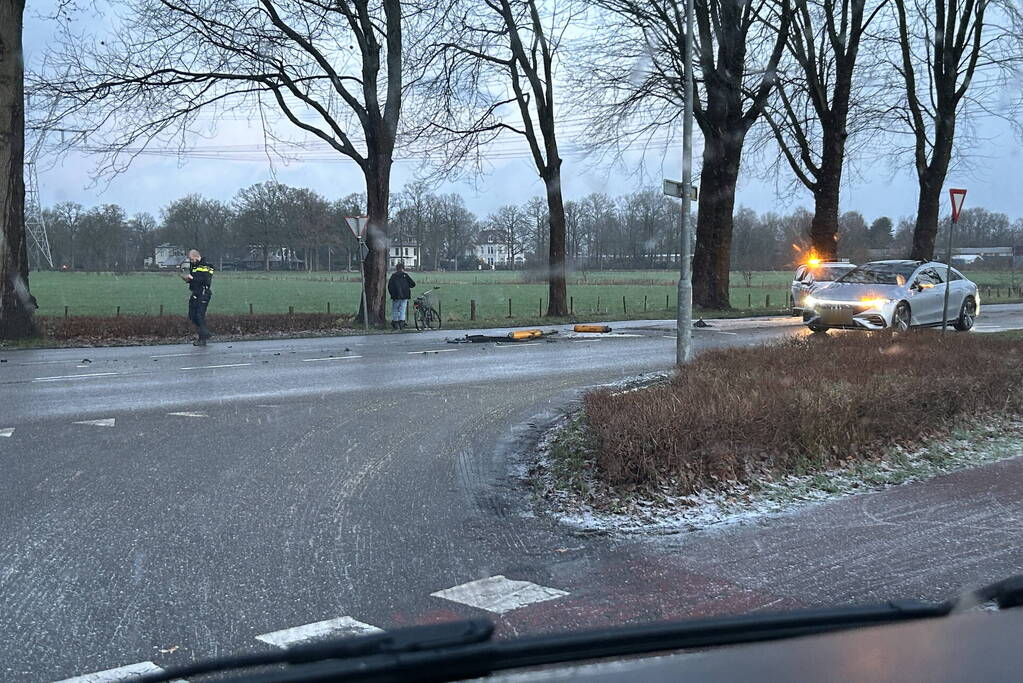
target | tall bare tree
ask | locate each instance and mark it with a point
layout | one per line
(16, 302)
(510, 46)
(637, 85)
(811, 113)
(340, 71)
(953, 60)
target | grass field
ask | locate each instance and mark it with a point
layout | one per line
(597, 294)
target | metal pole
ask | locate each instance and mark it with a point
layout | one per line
(684, 339)
(948, 277)
(362, 275)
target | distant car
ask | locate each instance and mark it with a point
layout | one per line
(811, 275)
(892, 295)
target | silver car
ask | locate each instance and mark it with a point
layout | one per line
(893, 295)
(812, 275)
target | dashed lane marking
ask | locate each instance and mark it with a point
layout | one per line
(213, 367)
(342, 626)
(187, 414)
(176, 355)
(498, 594)
(432, 351)
(310, 360)
(105, 422)
(516, 345)
(60, 378)
(122, 673)
(584, 341)
(47, 362)
(7, 433)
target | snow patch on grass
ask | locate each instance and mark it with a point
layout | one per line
(565, 488)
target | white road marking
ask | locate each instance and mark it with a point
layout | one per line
(212, 367)
(123, 673)
(584, 341)
(105, 422)
(498, 594)
(310, 360)
(342, 626)
(9, 432)
(723, 332)
(432, 351)
(187, 414)
(175, 355)
(47, 362)
(66, 377)
(515, 345)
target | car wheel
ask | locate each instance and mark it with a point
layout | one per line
(901, 318)
(966, 315)
(818, 329)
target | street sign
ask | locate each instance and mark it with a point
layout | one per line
(674, 188)
(363, 250)
(958, 196)
(357, 224)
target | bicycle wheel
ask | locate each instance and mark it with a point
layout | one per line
(433, 319)
(420, 318)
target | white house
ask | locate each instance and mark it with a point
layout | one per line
(405, 251)
(169, 255)
(492, 249)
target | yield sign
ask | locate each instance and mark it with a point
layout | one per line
(357, 224)
(958, 197)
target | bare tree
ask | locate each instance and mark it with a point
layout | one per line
(636, 86)
(810, 115)
(339, 72)
(16, 303)
(510, 46)
(953, 60)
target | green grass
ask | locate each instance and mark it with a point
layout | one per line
(594, 295)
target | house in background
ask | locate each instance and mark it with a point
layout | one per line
(492, 250)
(404, 250)
(169, 255)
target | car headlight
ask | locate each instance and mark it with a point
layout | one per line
(810, 301)
(874, 303)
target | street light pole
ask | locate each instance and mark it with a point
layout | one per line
(684, 339)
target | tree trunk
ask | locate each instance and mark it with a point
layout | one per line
(712, 256)
(16, 302)
(931, 180)
(378, 177)
(557, 305)
(824, 226)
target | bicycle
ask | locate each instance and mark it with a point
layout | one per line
(425, 315)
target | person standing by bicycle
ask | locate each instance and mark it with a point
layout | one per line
(400, 288)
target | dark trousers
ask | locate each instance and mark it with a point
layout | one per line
(197, 314)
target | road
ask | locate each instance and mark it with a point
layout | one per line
(165, 503)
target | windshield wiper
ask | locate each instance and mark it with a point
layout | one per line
(465, 649)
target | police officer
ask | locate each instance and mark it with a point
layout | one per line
(199, 279)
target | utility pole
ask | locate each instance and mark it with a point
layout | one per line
(957, 196)
(684, 339)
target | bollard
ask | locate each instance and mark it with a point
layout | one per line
(472, 309)
(250, 309)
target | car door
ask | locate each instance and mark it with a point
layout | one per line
(928, 290)
(801, 285)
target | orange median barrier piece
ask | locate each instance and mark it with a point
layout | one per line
(592, 328)
(525, 334)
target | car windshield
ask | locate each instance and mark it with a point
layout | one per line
(325, 317)
(880, 274)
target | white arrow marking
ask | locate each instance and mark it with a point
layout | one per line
(105, 422)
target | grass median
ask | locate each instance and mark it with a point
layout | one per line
(748, 416)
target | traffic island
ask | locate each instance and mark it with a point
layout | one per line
(747, 432)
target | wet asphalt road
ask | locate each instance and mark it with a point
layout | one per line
(314, 479)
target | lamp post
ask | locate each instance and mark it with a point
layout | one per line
(684, 338)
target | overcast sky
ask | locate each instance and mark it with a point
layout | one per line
(152, 182)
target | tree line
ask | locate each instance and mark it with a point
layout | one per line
(809, 86)
(635, 230)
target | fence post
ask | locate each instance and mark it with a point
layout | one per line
(571, 305)
(667, 305)
(291, 310)
(598, 305)
(472, 309)
(624, 310)
(749, 299)
(328, 308)
(250, 309)
(65, 311)
(767, 303)
(161, 309)
(509, 307)
(118, 312)
(644, 303)
(440, 311)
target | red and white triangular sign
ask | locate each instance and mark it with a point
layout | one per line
(357, 224)
(958, 197)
